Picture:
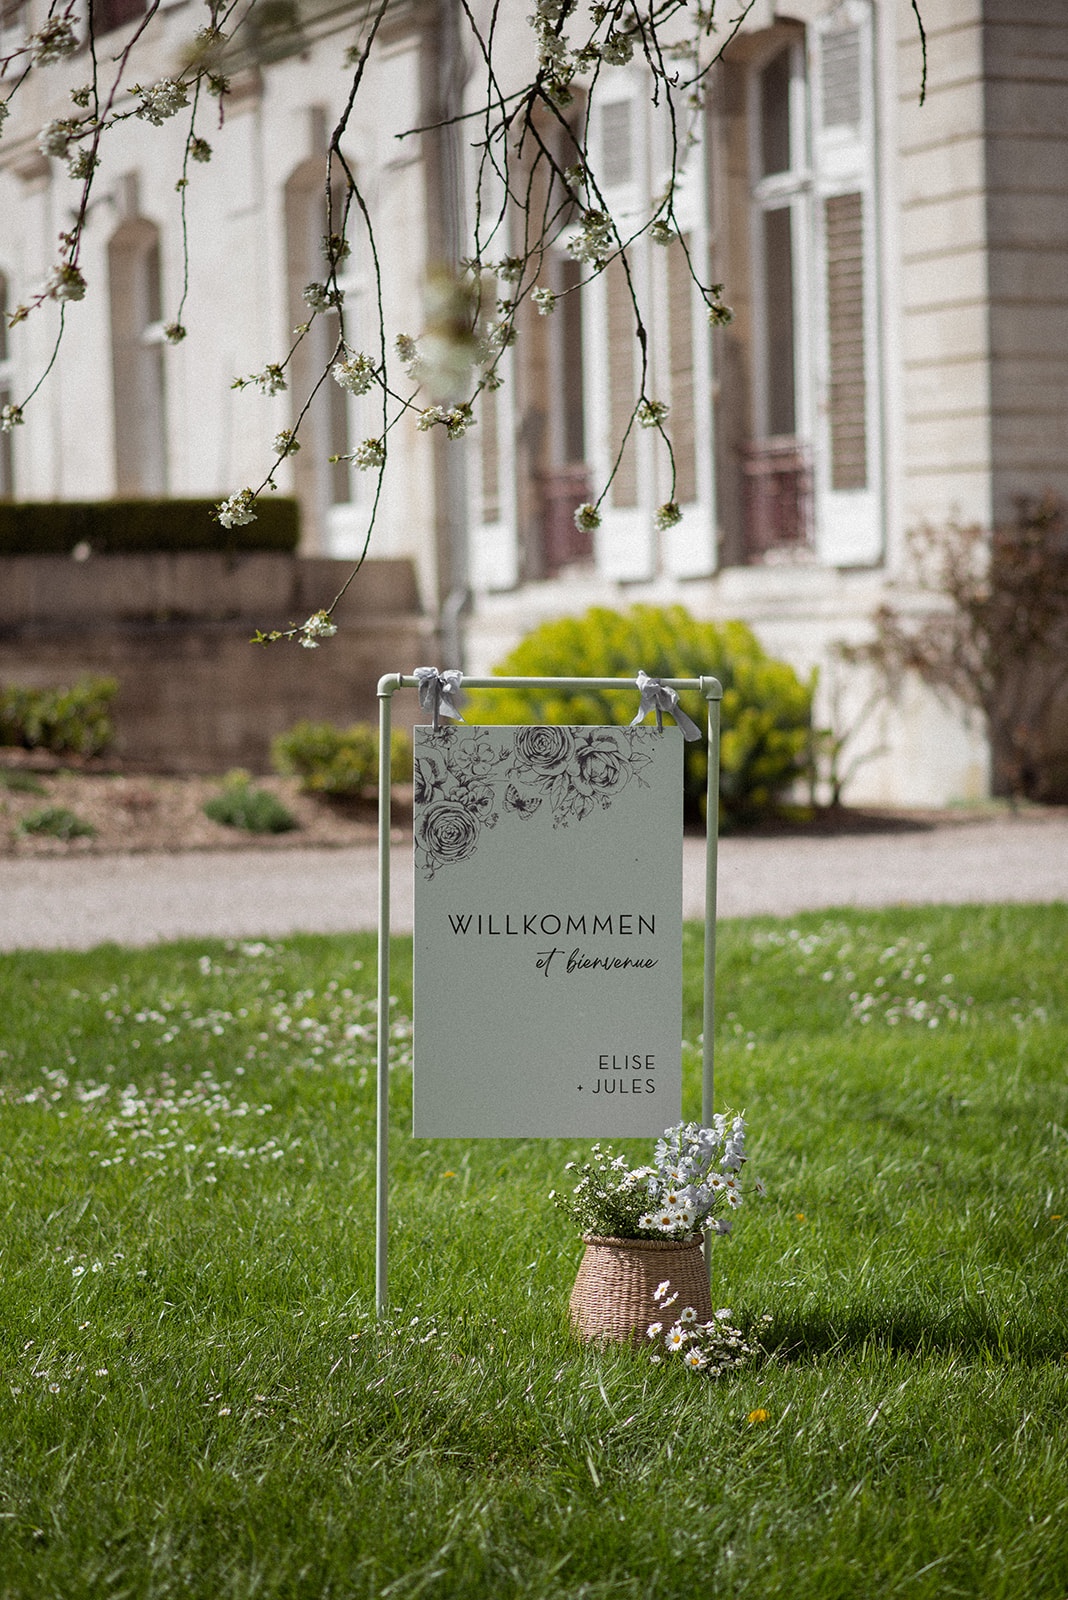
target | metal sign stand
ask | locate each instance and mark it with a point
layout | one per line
(712, 692)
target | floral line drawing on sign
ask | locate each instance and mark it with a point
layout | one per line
(464, 783)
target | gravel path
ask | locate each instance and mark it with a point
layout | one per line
(79, 902)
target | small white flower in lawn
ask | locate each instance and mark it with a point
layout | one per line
(653, 1329)
(53, 1388)
(724, 1314)
(676, 1337)
(687, 1316)
(76, 1272)
(694, 1360)
(101, 1372)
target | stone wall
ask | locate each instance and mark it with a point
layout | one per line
(194, 694)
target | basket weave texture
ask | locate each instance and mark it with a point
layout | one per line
(613, 1295)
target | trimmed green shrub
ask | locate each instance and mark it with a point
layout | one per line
(239, 805)
(126, 527)
(58, 823)
(74, 721)
(766, 713)
(339, 762)
(20, 782)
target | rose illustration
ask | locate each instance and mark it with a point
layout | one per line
(446, 832)
(602, 765)
(430, 777)
(542, 753)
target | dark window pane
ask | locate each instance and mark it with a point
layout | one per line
(108, 14)
(779, 321)
(775, 114)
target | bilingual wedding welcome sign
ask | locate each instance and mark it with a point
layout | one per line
(548, 931)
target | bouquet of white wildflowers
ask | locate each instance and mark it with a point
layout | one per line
(694, 1175)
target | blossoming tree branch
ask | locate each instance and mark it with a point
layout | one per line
(534, 184)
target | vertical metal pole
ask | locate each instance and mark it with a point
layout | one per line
(712, 692)
(385, 691)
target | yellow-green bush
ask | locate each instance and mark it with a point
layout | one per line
(342, 762)
(766, 713)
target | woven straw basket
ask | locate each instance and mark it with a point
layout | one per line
(613, 1295)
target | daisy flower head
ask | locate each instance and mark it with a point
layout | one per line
(694, 1360)
(676, 1337)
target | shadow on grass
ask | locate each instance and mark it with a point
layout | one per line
(965, 1329)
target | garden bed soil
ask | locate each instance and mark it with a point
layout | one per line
(139, 812)
(149, 812)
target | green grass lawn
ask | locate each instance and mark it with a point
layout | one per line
(195, 1399)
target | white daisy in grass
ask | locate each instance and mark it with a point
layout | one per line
(676, 1337)
(653, 1329)
(687, 1316)
(694, 1360)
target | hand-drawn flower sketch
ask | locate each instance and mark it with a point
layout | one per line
(464, 781)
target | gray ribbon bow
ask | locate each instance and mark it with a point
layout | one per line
(656, 696)
(436, 693)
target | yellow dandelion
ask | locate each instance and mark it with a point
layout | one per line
(759, 1415)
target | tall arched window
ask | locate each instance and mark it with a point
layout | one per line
(137, 376)
(329, 492)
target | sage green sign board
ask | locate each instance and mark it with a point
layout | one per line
(548, 931)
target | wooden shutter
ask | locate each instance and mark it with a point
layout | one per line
(846, 459)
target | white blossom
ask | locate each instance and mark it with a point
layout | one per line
(65, 282)
(593, 239)
(587, 518)
(651, 413)
(10, 417)
(161, 100)
(321, 297)
(355, 373)
(618, 49)
(371, 453)
(285, 443)
(56, 137)
(667, 516)
(55, 39)
(237, 511)
(545, 300)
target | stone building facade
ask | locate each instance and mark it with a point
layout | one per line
(898, 353)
